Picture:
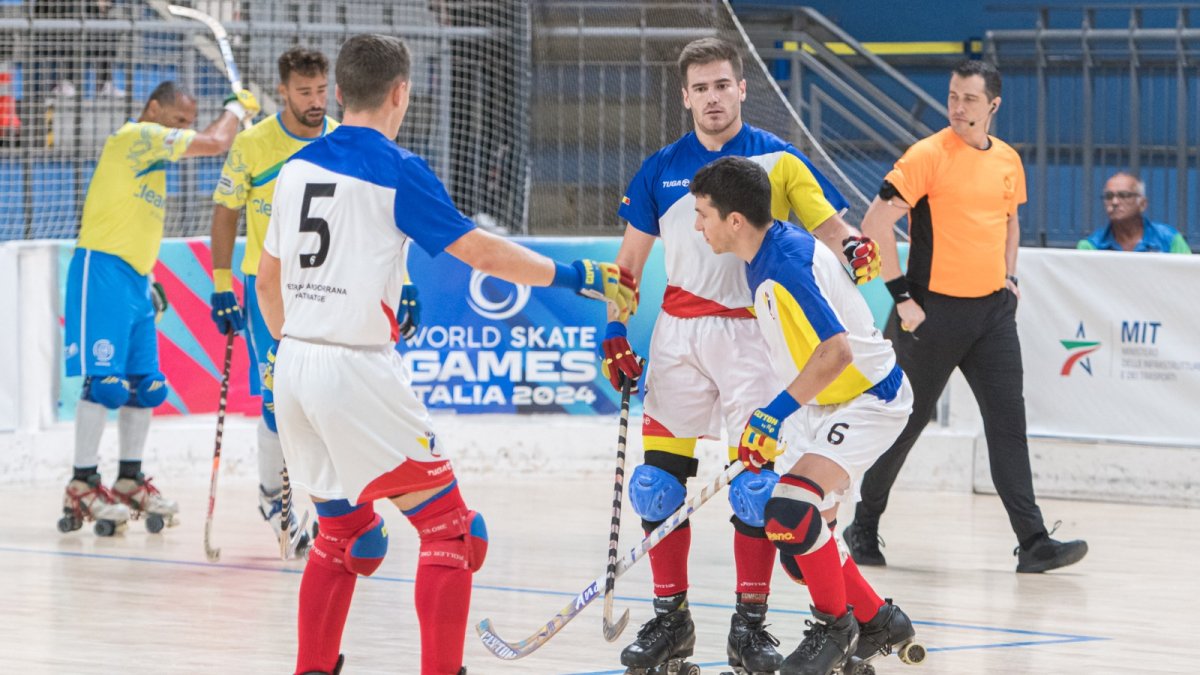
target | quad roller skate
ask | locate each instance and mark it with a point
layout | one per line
(270, 505)
(890, 631)
(829, 645)
(664, 642)
(89, 500)
(751, 649)
(337, 667)
(145, 501)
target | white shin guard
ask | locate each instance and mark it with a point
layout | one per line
(270, 459)
(133, 424)
(90, 418)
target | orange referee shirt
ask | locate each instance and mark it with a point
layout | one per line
(961, 199)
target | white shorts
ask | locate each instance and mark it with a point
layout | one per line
(853, 434)
(707, 370)
(350, 424)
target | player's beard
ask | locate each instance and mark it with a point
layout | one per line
(719, 126)
(312, 118)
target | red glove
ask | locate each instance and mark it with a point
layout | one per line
(863, 255)
(619, 361)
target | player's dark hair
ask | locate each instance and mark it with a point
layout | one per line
(709, 50)
(306, 62)
(168, 92)
(984, 69)
(367, 68)
(736, 184)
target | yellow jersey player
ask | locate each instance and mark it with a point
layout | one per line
(248, 182)
(839, 402)
(110, 337)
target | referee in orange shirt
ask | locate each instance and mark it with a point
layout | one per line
(957, 306)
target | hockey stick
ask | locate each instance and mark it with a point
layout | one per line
(214, 554)
(289, 538)
(222, 38)
(509, 651)
(613, 630)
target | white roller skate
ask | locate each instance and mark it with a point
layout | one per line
(144, 500)
(89, 500)
(270, 505)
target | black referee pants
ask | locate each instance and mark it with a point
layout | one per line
(978, 336)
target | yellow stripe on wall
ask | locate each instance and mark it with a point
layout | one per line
(894, 48)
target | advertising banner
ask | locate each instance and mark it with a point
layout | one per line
(1110, 345)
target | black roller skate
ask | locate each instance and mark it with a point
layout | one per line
(890, 630)
(337, 667)
(751, 649)
(828, 645)
(664, 642)
(87, 500)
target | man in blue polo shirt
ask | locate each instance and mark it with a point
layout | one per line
(1128, 227)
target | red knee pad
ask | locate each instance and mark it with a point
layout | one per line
(361, 553)
(457, 538)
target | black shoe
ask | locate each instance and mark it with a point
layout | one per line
(669, 635)
(337, 667)
(879, 636)
(750, 647)
(864, 542)
(828, 644)
(1048, 554)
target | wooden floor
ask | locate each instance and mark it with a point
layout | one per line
(141, 603)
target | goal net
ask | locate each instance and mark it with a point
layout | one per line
(72, 71)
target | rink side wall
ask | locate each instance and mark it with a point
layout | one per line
(1110, 346)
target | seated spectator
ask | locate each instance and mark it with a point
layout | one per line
(1128, 227)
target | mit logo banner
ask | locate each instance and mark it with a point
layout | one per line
(1110, 345)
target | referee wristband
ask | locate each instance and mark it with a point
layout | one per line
(1013, 279)
(898, 287)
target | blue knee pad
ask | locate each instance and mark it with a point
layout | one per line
(365, 551)
(110, 391)
(794, 524)
(149, 391)
(655, 493)
(748, 495)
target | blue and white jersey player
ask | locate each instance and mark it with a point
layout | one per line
(347, 208)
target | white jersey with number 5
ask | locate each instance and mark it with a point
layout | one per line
(346, 208)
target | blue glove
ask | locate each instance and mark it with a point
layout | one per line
(410, 311)
(226, 312)
(760, 439)
(268, 386)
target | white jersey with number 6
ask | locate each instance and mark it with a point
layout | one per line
(346, 209)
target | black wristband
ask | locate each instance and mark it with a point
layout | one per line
(1013, 279)
(898, 287)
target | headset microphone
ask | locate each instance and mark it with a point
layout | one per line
(990, 111)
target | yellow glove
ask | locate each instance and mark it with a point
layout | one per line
(609, 282)
(243, 104)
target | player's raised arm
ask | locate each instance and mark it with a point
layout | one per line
(501, 258)
(218, 137)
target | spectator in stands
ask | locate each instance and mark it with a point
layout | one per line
(1128, 227)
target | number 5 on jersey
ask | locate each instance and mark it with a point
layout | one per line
(314, 224)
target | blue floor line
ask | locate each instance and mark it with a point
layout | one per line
(1052, 638)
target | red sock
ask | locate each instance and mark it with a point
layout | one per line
(442, 594)
(754, 558)
(823, 572)
(327, 588)
(859, 593)
(669, 562)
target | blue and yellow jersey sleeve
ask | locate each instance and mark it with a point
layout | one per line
(797, 187)
(248, 178)
(638, 205)
(803, 297)
(124, 208)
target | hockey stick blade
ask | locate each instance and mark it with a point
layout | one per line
(612, 630)
(508, 651)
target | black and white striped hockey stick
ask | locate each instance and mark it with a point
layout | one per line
(613, 630)
(509, 651)
(213, 553)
